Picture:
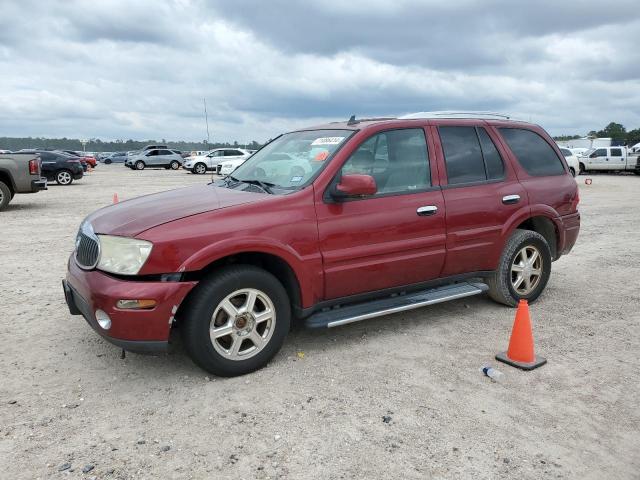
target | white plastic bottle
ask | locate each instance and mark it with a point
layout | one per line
(492, 373)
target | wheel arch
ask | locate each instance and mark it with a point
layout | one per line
(271, 262)
(546, 227)
(7, 179)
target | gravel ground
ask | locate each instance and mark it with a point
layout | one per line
(394, 397)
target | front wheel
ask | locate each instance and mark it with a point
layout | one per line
(64, 177)
(174, 165)
(523, 271)
(139, 165)
(200, 169)
(582, 169)
(236, 320)
(573, 171)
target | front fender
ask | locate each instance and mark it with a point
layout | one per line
(307, 269)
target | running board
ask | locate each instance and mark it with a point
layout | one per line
(342, 315)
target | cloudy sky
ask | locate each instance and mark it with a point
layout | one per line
(140, 68)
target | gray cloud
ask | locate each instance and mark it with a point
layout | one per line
(121, 69)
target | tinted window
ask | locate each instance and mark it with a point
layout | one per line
(492, 159)
(616, 152)
(232, 153)
(601, 152)
(397, 159)
(535, 155)
(462, 154)
(164, 152)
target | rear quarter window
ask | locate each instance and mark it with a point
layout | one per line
(533, 152)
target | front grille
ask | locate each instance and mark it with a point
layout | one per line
(87, 251)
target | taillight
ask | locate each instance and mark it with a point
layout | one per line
(34, 167)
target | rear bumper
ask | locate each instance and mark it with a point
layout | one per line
(39, 184)
(569, 232)
(134, 330)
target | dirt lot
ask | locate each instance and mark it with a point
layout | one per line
(66, 396)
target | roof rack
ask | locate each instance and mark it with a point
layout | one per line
(456, 114)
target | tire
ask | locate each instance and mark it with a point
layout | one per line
(582, 169)
(501, 283)
(175, 165)
(64, 177)
(5, 195)
(199, 168)
(139, 165)
(215, 356)
(573, 171)
(107, 162)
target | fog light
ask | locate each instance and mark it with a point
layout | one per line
(136, 304)
(103, 320)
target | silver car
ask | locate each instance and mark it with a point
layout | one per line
(155, 158)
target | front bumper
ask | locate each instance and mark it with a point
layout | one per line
(134, 330)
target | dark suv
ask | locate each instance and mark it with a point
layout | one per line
(325, 226)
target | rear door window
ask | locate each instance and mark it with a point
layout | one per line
(616, 152)
(470, 155)
(533, 152)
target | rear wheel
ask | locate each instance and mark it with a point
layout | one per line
(524, 269)
(140, 165)
(5, 195)
(199, 168)
(64, 177)
(236, 320)
(573, 171)
(174, 165)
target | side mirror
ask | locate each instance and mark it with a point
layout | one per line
(355, 186)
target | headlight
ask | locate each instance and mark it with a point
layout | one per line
(122, 255)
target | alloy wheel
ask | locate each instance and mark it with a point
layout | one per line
(526, 270)
(64, 178)
(242, 324)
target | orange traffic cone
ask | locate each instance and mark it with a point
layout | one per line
(115, 198)
(520, 353)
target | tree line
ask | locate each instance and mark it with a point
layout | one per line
(97, 145)
(615, 131)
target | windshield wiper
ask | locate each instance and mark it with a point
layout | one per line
(266, 186)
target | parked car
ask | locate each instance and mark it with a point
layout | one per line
(211, 160)
(19, 173)
(154, 159)
(85, 159)
(368, 218)
(572, 161)
(117, 157)
(228, 166)
(58, 166)
(610, 159)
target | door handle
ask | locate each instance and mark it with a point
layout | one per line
(510, 199)
(427, 210)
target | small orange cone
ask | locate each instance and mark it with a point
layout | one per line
(115, 198)
(520, 353)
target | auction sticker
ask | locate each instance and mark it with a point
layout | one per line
(327, 141)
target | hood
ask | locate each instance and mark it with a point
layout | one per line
(132, 217)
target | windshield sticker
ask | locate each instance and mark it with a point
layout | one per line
(322, 156)
(295, 179)
(327, 141)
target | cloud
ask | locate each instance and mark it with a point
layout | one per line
(121, 69)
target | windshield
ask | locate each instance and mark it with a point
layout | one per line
(292, 160)
(588, 152)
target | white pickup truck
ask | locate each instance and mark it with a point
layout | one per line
(610, 158)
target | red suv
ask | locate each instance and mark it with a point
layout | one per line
(326, 226)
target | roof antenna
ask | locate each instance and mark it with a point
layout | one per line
(352, 120)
